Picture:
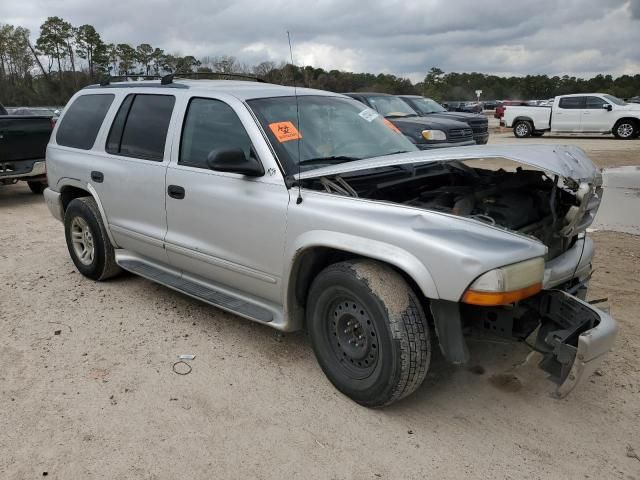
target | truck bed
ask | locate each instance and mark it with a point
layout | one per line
(539, 116)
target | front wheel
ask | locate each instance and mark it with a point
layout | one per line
(625, 129)
(368, 331)
(522, 129)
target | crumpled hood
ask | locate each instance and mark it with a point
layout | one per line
(566, 161)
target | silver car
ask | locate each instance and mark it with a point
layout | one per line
(305, 209)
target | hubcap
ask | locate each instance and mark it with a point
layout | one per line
(625, 130)
(353, 338)
(82, 240)
(522, 129)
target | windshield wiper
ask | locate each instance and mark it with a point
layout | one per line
(394, 153)
(328, 160)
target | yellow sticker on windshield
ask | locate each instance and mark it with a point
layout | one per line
(285, 131)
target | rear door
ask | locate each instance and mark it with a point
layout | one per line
(226, 228)
(595, 117)
(567, 116)
(129, 173)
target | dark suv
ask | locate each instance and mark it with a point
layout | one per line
(425, 133)
(427, 107)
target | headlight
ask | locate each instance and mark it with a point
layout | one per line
(506, 284)
(434, 135)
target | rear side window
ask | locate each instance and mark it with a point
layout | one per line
(81, 123)
(572, 102)
(210, 125)
(140, 127)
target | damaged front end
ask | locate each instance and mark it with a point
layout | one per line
(554, 202)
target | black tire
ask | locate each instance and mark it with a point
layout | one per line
(103, 264)
(522, 129)
(37, 187)
(537, 133)
(626, 129)
(368, 331)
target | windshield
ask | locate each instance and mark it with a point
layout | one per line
(331, 130)
(615, 100)
(426, 105)
(391, 106)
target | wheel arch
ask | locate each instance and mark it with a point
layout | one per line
(634, 120)
(310, 258)
(71, 191)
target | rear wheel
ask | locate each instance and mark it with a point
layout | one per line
(522, 129)
(625, 129)
(87, 240)
(37, 187)
(368, 331)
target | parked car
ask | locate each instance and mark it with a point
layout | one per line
(578, 113)
(490, 104)
(23, 143)
(303, 209)
(429, 108)
(499, 113)
(469, 107)
(635, 99)
(424, 132)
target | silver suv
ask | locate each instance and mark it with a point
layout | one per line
(308, 210)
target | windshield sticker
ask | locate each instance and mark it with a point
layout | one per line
(392, 126)
(285, 131)
(369, 114)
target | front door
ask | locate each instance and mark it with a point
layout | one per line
(595, 116)
(226, 228)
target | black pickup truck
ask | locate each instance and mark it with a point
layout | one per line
(426, 133)
(23, 145)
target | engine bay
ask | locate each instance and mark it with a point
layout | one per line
(526, 201)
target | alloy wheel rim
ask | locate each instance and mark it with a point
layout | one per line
(82, 241)
(522, 129)
(625, 130)
(353, 338)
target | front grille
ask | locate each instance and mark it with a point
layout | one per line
(481, 126)
(460, 133)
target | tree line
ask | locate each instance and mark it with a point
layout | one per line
(65, 58)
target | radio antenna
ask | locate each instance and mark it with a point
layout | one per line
(295, 94)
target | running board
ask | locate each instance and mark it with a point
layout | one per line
(196, 290)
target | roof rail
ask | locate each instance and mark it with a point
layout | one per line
(167, 80)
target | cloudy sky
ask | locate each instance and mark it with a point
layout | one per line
(404, 37)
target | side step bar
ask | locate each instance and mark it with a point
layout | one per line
(196, 290)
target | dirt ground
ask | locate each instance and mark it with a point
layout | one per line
(87, 388)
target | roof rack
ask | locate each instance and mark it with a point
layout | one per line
(167, 80)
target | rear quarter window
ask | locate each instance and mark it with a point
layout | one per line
(80, 125)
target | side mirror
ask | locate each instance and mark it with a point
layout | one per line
(233, 160)
(608, 107)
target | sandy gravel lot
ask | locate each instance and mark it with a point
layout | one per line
(87, 388)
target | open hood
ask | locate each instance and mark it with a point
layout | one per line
(563, 160)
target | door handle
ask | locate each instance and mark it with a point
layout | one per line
(176, 191)
(97, 177)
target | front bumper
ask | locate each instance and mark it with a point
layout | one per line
(481, 138)
(573, 338)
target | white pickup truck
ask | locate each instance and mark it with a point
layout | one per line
(578, 113)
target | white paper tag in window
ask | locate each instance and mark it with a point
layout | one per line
(369, 114)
